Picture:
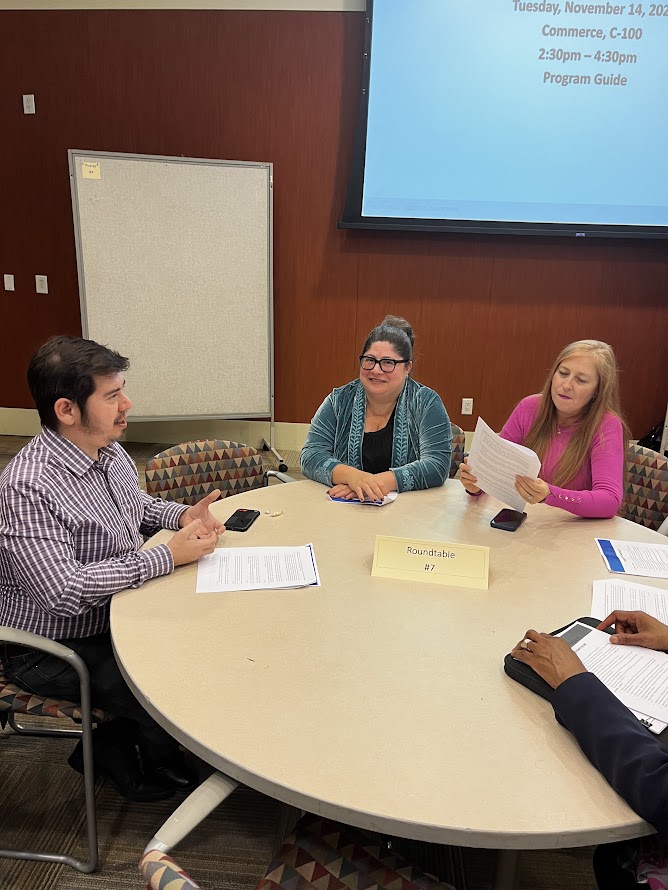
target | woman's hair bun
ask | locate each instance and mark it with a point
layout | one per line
(396, 321)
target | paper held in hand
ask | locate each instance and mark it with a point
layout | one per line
(495, 462)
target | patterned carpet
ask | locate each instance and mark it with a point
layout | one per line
(42, 807)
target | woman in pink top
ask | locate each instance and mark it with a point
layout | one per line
(576, 429)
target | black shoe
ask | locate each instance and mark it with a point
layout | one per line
(174, 774)
(123, 770)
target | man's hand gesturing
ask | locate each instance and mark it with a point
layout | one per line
(201, 511)
(192, 542)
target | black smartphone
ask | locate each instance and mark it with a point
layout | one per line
(508, 520)
(241, 520)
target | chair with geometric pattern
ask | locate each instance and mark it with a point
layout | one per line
(645, 487)
(188, 472)
(458, 444)
(317, 855)
(324, 855)
(162, 873)
(14, 700)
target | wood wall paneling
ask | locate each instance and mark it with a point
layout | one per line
(489, 313)
(442, 286)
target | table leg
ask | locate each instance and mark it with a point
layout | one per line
(192, 811)
(507, 870)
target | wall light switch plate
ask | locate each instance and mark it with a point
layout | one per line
(467, 406)
(28, 103)
(9, 282)
(41, 284)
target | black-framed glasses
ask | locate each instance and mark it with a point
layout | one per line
(369, 362)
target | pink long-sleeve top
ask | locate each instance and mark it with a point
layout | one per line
(596, 490)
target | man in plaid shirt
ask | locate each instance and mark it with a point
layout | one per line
(72, 517)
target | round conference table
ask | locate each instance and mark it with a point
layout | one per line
(383, 703)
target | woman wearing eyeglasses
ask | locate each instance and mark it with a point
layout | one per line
(383, 432)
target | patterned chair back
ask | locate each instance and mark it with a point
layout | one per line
(645, 487)
(162, 873)
(317, 854)
(323, 854)
(458, 443)
(188, 472)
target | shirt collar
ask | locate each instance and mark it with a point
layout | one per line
(71, 456)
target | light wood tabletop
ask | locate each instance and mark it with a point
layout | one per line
(384, 703)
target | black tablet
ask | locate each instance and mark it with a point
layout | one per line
(525, 675)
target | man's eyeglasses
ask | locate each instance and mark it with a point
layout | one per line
(368, 363)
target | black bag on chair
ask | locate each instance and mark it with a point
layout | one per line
(653, 438)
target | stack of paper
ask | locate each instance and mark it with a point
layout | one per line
(631, 558)
(257, 568)
(614, 596)
(392, 496)
(638, 677)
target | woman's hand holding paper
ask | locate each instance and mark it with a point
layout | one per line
(467, 478)
(534, 491)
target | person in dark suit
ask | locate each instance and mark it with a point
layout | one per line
(633, 761)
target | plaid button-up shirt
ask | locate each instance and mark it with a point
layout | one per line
(70, 532)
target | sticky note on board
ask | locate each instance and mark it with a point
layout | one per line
(90, 169)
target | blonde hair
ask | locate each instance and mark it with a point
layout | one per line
(605, 401)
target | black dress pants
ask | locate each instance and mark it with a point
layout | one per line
(49, 676)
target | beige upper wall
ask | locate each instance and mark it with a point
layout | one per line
(300, 5)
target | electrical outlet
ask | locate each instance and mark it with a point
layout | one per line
(9, 282)
(28, 103)
(41, 284)
(467, 406)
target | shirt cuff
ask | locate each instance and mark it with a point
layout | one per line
(156, 561)
(559, 497)
(171, 515)
(403, 478)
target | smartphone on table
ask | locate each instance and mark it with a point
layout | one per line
(241, 520)
(508, 520)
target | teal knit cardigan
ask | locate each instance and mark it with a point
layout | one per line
(421, 444)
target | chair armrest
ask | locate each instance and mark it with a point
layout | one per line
(35, 641)
(274, 474)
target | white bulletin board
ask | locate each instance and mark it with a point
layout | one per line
(175, 272)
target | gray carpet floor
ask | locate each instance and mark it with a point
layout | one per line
(42, 808)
